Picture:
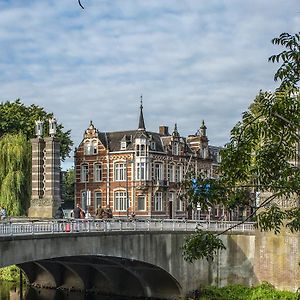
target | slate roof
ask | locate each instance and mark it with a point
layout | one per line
(112, 140)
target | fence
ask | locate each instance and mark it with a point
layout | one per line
(65, 226)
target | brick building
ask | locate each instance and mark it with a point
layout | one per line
(139, 170)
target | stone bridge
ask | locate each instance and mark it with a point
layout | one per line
(142, 258)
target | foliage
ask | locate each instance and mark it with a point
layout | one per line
(289, 72)
(201, 245)
(261, 156)
(265, 291)
(14, 173)
(16, 117)
(10, 273)
(68, 185)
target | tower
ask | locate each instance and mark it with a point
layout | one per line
(45, 196)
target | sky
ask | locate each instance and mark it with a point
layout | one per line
(191, 60)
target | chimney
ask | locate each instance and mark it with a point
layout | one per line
(164, 130)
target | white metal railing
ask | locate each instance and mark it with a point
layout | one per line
(38, 227)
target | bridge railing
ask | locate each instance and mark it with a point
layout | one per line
(35, 227)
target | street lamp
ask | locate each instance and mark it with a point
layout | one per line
(209, 211)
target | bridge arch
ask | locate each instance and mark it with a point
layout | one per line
(102, 274)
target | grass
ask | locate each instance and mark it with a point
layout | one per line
(265, 291)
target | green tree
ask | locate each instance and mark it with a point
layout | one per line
(262, 155)
(17, 126)
(68, 185)
(15, 173)
(16, 117)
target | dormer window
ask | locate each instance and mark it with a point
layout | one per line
(123, 145)
(153, 146)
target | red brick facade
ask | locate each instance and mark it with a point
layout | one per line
(139, 171)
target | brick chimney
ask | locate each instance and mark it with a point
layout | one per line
(163, 130)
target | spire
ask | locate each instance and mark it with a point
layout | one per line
(141, 120)
(203, 129)
(175, 131)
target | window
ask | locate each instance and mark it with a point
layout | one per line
(97, 172)
(140, 171)
(120, 201)
(171, 173)
(98, 199)
(141, 202)
(175, 148)
(158, 171)
(85, 199)
(120, 171)
(140, 148)
(178, 173)
(84, 173)
(158, 201)
(143, 150)
(153, 146)
(90, 147)
(171, 196)
(123, 145)
(179, 204)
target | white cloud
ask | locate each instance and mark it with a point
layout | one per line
(191, 60)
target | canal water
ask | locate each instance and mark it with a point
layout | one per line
(11, 291)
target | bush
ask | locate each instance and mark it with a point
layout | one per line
(265, 291)
(11, 273)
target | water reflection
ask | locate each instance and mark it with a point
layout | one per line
(11, 291)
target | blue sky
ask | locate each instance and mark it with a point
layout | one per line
(191, 60)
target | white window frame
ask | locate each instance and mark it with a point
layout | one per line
(178, 173)
(120, 169)
(120, 201)
(158, 201)
(97, 172)
(97, 199)
(84, 172)
(141, 171)
(171, 174)
(123, 145)
(179, 204)
(90, 147)
(158, 170)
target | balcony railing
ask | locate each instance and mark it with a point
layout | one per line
(65, 226)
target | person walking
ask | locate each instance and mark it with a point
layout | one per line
(59, 213)
(77, 210)
(3, 213)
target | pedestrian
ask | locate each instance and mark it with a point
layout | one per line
(3, 213)
(59, 213)
(88, 215)
(82, 214)
(99, 212)
(132, 216)
(107, 213)
(76, 211)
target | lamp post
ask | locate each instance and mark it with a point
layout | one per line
(209, 211)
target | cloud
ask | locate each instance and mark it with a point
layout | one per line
(191, 60)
